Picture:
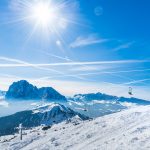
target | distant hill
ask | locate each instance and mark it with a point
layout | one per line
(23, 90)
(101, 96)
(48, 114)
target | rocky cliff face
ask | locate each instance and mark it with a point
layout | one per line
(23, 90)
(49, 93)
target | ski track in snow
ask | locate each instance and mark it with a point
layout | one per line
(126, 130)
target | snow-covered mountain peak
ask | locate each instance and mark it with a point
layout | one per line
(55, 113)
(51, 107)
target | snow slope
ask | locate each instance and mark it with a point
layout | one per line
(126, 130)
(45, 114)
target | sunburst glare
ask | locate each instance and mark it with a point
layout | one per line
(46, 17)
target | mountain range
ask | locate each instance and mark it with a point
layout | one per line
(23, 90)
(100, 96)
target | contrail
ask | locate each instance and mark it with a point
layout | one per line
(87, 74)
(94, 73)
(25, 64)
(21, 63)
(136, 81)
(62, 58)
(56, 56)
(112, 72)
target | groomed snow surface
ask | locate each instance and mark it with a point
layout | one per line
(126, 130)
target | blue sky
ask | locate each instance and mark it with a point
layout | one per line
(86, 46)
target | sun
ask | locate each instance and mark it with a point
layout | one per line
(43, 13)
(46, 20)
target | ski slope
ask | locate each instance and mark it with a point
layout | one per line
(126, 130)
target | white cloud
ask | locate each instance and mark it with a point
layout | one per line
(4, 103)
(123, 46)
(85, 41)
